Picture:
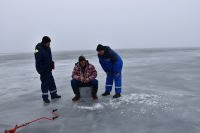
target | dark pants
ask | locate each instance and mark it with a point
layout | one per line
(76, 84)
(48, 84)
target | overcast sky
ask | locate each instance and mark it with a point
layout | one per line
(82, 24)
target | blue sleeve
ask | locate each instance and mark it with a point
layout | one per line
(103, 66)
(116, 67)
(115, 62)
(38, 62)
(113, 57)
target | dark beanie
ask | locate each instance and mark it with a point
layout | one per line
(100, 47)
(81, 58)
(46, 39)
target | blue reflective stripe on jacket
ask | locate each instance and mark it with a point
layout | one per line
(43, 59)
(110, 61)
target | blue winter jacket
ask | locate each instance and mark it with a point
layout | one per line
(43, 58)
(110, 61)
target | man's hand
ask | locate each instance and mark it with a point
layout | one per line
(107, 73)
(82, 79)
(117, 75)
(87, 80)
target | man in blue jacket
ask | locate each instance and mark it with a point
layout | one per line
(112, 64)
(44, 65)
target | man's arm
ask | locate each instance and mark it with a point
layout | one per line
(115, 62)
(38, 62)
(94, 73)
(116, 67)
(102, 66)
(75, 75)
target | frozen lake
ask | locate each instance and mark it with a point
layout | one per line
(160, 94)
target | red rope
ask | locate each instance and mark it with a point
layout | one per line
(16, 127)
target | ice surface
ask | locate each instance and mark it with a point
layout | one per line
(85, 92)
(160, 94)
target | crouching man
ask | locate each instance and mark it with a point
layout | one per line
(84, 74)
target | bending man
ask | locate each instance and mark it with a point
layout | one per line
(112, 64)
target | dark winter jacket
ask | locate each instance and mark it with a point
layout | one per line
(110, 61)
(43, 58)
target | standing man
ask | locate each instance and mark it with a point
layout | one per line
(112, 64)
(44, 65)
(84, 74)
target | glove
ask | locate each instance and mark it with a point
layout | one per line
(53, 66)
(42, 75)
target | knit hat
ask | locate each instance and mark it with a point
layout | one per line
(46, 39)
(81, 58)
(100, 47)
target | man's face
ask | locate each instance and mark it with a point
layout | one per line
(83, 63)
(47, 44)
(101, 52)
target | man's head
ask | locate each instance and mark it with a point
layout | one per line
(82, 60)
(46, 41)
(100, 49)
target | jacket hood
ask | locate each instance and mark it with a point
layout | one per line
(107, 49)
(42, 45)
(78, 64)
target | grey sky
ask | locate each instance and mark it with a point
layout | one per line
(82, 24)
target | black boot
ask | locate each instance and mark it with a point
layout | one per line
(94, 93)
(76, 98)
(46, 100)
(77, 94)
(76, 90)
(106, 93)
(57, 96)
(95, 97)
(117, 95)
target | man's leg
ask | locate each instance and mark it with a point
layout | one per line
(52, 88)
(45, 86)
(109, 82)
(75, 87)
(118, 84)
(94, 84)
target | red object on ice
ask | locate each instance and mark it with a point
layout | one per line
(16, 127)
(53, 65)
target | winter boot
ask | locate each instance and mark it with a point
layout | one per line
(76, 98)
(106, 93)
(95, 97)
(46, 100)
(57, 96)
(117, 95)
(94, 93)
(77, 94)
(76, 90)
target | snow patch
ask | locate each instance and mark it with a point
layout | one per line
(148, 99)
(96, 106)
(137, 104)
